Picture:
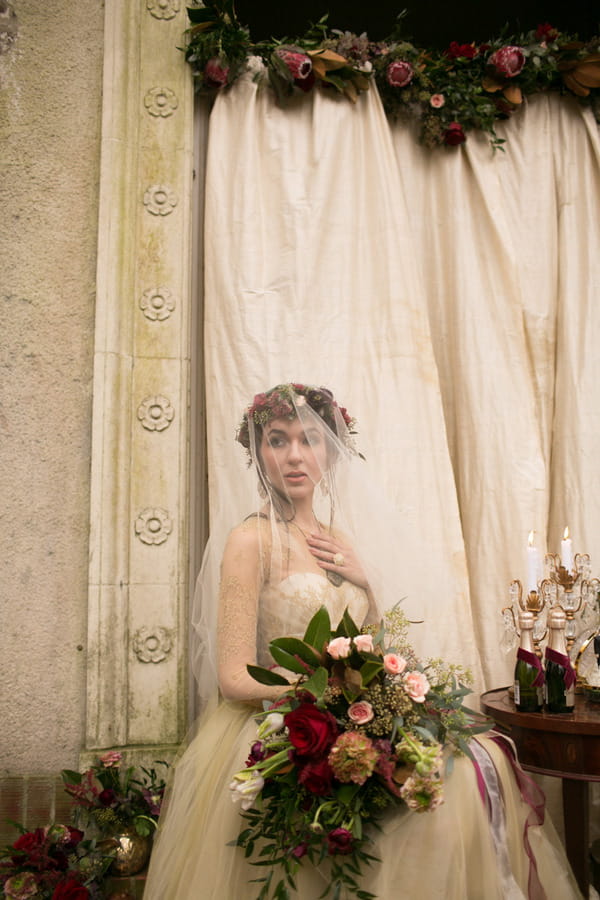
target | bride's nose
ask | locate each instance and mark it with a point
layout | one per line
(295, 452)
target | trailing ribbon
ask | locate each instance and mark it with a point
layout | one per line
(533, 660)
(562, 659)
(533, 796)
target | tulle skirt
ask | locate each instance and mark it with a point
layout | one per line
(466, 849)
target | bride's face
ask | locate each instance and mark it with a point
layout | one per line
(294, 456)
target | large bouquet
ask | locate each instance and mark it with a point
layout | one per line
(111, 797)
(363, 727)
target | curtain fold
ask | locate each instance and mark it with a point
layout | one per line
(446, 298)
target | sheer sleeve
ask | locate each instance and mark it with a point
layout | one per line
(242, 576)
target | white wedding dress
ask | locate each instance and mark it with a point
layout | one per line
(458, 852)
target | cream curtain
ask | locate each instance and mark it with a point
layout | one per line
(447, 298)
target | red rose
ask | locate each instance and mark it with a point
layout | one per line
(461, 51)
(508, 61)
(311, 731)
(106, 797)
(399, 73)
(454, 134)
(31, 840)
(339, 841)
(215, 74)
(299, 64)
(316, 777)
(71, 889)
(546, 32)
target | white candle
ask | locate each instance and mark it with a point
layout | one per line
(533, 565)
(566, 551)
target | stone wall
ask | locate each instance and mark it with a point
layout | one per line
(50, 117)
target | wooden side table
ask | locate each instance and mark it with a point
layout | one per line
(566, 746)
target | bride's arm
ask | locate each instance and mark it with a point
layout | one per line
(241, 581)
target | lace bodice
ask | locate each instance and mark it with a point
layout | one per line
(286, 608)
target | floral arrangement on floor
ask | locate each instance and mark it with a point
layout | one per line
(52, 863)
(445, 93)
(365, 727)
(110, 798)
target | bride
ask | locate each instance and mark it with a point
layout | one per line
(309, 544)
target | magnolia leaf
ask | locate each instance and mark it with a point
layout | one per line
(351, 629)
(296, 647)
(318, 631)
(288, 660)
(266, 676)
(361, 81)
(326, 60)
(71, 777)
(513, 94)
(370, 670)
(490, 84)
(317, 683)
(350, 91)
(352, 684)
(574, 85)
(588, 74)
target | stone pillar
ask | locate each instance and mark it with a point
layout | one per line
(140, 510)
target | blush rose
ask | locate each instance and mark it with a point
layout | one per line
(416, 686)
(394, 664)
(364, 643)
(360, 712)
(339, 648)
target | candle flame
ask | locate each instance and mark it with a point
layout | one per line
(530, 538)
(566, 533)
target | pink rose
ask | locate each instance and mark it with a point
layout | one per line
(339, 647)
(454, 134)
(416, 686)
(399, 73)
(215, 75)
(364, 643)
(360, 712)
(112, 758)
(394, 664)
(299, 64)
(508, 61)
(437, 101)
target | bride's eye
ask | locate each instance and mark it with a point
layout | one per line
(275, 441)
(312, 438)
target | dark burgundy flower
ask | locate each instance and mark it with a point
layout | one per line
(306, 84)
(70, 889)
(300, 850)
(311, 731)
(30, 841)
(215, 73)
(399, 73)
(106, 797)
(507, 61)
(339, 841)
(454, 134)
(546, 32)
(257, 752)
(316, 777)
(461, 51)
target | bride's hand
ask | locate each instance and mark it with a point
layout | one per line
(331, 554)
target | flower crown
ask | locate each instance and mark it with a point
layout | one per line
(281, 402)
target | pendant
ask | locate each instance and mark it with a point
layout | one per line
(334, 577)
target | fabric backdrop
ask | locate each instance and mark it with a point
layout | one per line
(448, 299)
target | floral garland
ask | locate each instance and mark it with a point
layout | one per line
(467, 86)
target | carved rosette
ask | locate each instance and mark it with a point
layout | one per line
(152, 645)
(157, 304)
(160, 200)
(153, 525)
(161, 102)
(155, 413)
(163, 9)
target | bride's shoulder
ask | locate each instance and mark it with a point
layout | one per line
(252, 533)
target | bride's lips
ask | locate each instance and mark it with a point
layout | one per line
(295, 476)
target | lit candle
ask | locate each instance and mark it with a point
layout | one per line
(566, 551)
(533, 565)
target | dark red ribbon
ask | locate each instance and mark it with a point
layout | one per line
(562, 659)
(533, 660)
